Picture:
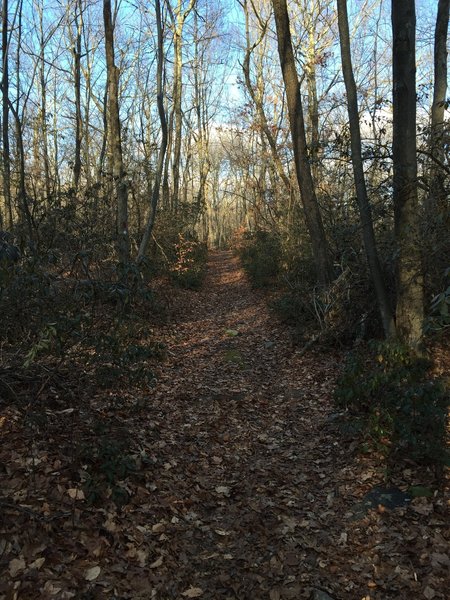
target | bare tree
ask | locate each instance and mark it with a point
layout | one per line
(437, 197)
(321, 252)
(409, 311)
(178, 17)
(163, 146)
(77, 88)
(115, 143)
(5, 118)
(358, 172)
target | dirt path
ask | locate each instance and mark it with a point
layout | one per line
(246, 416)
(244, 489)
(264, 493)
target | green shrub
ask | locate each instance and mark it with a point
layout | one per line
(402, 408)
(260, 254)
(439, 318)
(117, 359)
(107, 464)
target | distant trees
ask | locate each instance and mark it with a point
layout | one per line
(166, 117)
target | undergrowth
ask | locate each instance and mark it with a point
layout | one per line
(402, 410)
(260, 255)
(188, 266)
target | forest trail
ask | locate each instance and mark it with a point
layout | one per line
(241, 486)
(246, 415)
(265, 494)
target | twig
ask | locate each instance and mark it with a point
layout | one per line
(33, 513)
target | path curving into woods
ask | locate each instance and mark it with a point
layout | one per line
(245, 488)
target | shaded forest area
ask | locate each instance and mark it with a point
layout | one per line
(175, 428)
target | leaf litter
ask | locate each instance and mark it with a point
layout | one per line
(225, 480)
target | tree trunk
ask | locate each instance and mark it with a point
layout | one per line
(162, 150)
(5, 117)
(115, 145)
(77, 85)
(409, 311)
(178, 25)
(358, 172)
(43, 86)
(437, 200)
(313, 104)
(322, 256)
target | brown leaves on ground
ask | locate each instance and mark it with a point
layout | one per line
(226, 480)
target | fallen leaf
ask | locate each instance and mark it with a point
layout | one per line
(429, 593)
(158, 562)
(92, 573)
(222, 532)
(16, 565)
(440, 559)
(223, 489)
(109, 525)
(343, 538)
(37, 564)
(193, 592)
(142, 557)
(76, 494)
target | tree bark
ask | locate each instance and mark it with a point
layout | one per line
(437, 201)
(77, 86)
(115, 144)
(322, 256)
(43, 86)
(163, 147)
(358, 173)
(409, 310)
(5, 117)
(178, 25)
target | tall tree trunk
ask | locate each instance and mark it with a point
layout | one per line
(179, 21)
(202, 131)
(322, 256)
(77, 85)
(22, 192)
(358, 172)
(313, 104)
(409, 311)
(177, 116)
(56, 139)
(163, 147)
(5, 117)
(115, 145)
(43, 86)
(437, 200)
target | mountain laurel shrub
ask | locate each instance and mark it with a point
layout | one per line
(402, 407)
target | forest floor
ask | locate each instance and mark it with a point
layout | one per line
(229, 478)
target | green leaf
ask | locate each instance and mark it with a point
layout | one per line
(232, 332)
(420, 491)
